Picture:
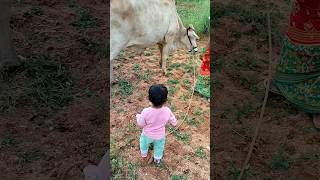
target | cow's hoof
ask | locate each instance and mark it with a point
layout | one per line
(114, 82)
(165, 73)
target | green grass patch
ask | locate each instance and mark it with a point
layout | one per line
(234, 172)
(117, 163)
(188, 68)
(174, 66)
(177, 177)
(137, 68)
(33, 11)
(198, 112)
(84, 19)
(46, 84)
(125, 87)
(187, 84)
(200, 153)
(145, 76)
(185, 96)
(195, 12)
(173, 89)
(8, 140)
(147, 53)
(32, 156)
(173, 81)
(132, 171)
(50, 85)
(280, 161)
(183, 137)
(192, 122)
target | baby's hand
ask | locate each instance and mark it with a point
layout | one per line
(140, 121)
(173, 120)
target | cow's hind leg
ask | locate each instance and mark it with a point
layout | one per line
(164, 58)
(115, 49)
(160, 48)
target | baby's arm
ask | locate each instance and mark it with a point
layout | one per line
(140, 120)
(172, 119)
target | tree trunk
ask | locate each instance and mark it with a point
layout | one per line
(8, 56)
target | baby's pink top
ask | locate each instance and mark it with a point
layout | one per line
(153, 121)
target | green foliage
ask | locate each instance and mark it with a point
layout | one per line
(200, 153)
(84, 18)
(183, 137)
(176, 177)
(7, 141)
(280, 161)
(195, 12)
(234, 173)
(34, 11)
(132, 171)
(50, 85)
(192, 121)
(117, 163)
(32, 156)
(125, 87)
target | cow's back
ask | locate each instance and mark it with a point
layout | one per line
(142, 22)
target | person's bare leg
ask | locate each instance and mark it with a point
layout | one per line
(316, 120)
(101, 171)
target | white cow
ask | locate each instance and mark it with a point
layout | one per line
(144, 23)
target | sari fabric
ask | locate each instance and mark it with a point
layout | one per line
(298, 72)
(203, 80)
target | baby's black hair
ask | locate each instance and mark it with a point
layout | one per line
(158, 94)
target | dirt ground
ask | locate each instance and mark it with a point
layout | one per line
(288, 146)
(52, 133)
(187, 151)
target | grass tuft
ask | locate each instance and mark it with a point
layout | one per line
(50, 85)
(280, 161)
(125, 87)
(183, 137)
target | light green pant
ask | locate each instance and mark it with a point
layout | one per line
(158, 146)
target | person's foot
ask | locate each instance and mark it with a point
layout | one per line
(316, 120)
(157, 161)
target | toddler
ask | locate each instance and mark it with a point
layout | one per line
(153, 121)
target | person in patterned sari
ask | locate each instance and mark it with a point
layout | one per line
(298, 73)
(203, 80)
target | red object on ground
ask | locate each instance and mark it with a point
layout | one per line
(205, 66)
(304, 26)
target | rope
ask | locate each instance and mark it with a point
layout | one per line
(190, 100)
(244, 167)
